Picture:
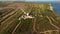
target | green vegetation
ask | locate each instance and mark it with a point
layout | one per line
(45, 19)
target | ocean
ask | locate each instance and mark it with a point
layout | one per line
(55, 5)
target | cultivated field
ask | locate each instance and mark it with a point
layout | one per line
(45, 20)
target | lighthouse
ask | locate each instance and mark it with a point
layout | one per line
(51, 8)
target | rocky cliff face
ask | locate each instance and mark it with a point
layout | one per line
(44, 22)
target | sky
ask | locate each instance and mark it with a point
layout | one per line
(42, 0)
(29, 0)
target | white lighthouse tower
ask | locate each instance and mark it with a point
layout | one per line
(51, 8)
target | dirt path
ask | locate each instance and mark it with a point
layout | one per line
(52, 23)
(23, 11)
(16, 27)
(4, 23)
(5, 27)
(50, 31)
(34, 25)
(12, 14)
(7, 22)
(54, 20)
